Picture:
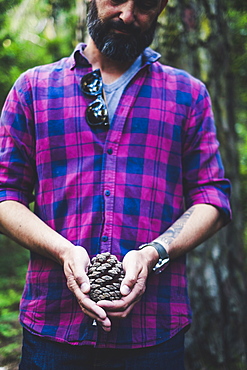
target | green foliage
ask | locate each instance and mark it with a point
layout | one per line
(5, 5)
(241, 129)
(13, 262)
(13, 266)
(242, 132)
(237, 23)
(35, 32)
(237, 16)
(7, 330)
(10, 353)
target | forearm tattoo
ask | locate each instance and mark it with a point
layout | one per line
(173, 231)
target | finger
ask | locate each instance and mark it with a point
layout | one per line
(90, 308)
(80, 275)
(130, 279)
(119, 305)
(122, 314)
(85, 287)
(77, 284)
(125, 289)
(97, 313)
(118, 312)
(106, 324)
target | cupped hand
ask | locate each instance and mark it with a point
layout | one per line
(75, 263)
(137, 265)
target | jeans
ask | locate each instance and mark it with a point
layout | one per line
(42, 354)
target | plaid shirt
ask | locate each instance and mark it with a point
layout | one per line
(109, 189)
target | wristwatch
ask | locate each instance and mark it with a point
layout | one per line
(164, 258)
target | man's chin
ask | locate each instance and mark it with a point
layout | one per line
(122, 49)
(121, 55)
(121, 58)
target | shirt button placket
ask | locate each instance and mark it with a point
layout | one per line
(109, 186)
(109, 151)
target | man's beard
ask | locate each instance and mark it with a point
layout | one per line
(116, 46)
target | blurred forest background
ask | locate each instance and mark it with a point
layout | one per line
(208, 38)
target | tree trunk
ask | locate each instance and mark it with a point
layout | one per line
(193, 35)
(81, 29)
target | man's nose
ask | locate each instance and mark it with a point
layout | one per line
(128, 12)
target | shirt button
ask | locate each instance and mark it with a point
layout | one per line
(104, 238)
(109, 151)
(107, 193)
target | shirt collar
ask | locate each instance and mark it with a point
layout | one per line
(78, 58)
(150, 56)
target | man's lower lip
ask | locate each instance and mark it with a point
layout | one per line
(122, 32)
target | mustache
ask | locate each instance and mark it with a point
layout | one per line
(122, 27)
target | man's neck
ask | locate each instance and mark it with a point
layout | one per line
(110, 69)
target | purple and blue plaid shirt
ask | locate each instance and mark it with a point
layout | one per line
(109, 189)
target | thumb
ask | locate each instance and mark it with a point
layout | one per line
(125, 289)
(76, 273)
(77, 282)
(82, 281)
(131, 273)
(85, 287)
(128, 282)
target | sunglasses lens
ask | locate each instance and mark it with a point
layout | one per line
(96, 113)
(91, 84)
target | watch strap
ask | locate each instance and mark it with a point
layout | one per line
(164, 258)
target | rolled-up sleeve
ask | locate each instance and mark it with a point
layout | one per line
(203, 171)
(17, 143)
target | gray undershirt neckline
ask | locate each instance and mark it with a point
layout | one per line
(113, 91)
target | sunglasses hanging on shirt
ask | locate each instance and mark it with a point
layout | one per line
(92, 86)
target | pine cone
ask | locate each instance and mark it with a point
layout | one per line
(105, 277)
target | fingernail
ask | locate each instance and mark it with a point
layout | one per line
(84, 287)
(125, 290)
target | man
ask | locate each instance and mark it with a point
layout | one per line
(123, 159)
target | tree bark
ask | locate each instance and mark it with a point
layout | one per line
(81, 29)
(193, 35)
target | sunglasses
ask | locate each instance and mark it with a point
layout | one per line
(96, 112)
